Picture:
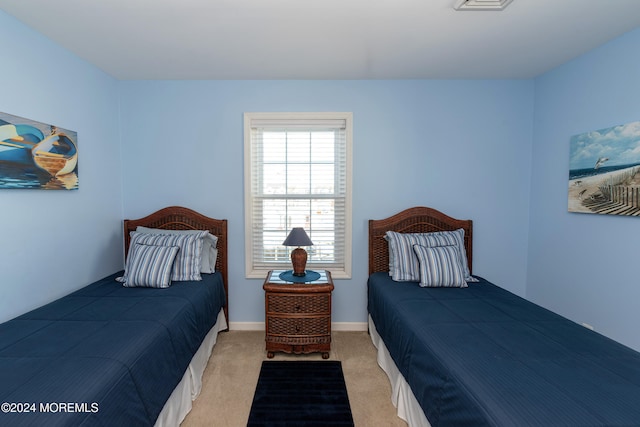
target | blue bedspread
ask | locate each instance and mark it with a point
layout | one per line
(482, 356)
(104, 355)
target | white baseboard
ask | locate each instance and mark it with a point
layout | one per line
(246, 326)
(349, 326)
(335, 326)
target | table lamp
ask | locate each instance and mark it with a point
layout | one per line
(298, 237)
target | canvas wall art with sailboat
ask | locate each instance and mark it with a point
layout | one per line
(37, 155)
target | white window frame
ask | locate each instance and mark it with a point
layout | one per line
(252, 271)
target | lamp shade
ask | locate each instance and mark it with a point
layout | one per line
(297, 237)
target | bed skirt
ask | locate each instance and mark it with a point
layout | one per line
(402, 397)
(189, 387)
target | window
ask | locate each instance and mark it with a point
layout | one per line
(298, 174)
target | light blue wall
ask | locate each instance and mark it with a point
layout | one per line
(463, 147)
(53, 242)
(584, 266)
(493, 151)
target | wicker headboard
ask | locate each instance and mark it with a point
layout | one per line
(179, 218)
(412, 220)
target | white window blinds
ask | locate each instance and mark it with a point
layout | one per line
(298, 176)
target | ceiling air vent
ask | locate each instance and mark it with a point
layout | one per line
(481, 4)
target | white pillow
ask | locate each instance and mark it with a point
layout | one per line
(209, 244)
(188, 260)
(403, 263)
(149, 266)
(440, 267)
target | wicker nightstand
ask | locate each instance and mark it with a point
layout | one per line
(298, 315)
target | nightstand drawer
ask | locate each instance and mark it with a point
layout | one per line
(298, 325)
(299, 304)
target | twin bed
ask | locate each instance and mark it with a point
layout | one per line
(113, 355)
(482, 356)
(456, 356)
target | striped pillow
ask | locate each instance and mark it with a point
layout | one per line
(403, 263)
(440, 267)
(209, 243)
(187, 263)
(149, 266)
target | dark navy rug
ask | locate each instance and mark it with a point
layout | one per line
(301, 393)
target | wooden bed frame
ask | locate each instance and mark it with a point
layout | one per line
(180, 218)
(413, 220)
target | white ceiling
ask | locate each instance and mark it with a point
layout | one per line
(328, 39)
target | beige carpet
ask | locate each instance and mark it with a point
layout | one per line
(232, 374)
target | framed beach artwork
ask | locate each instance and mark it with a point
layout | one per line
(604, 171)
(37, 155)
